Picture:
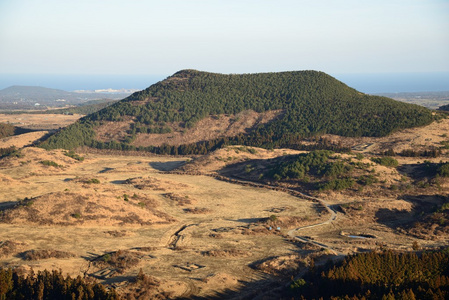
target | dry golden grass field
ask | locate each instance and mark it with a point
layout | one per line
(114, 214)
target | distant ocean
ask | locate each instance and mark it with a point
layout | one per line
(366, 83)
(81, 82)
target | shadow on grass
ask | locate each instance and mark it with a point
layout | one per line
(167, 166)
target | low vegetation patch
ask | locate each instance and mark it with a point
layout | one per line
(197, 210)
(120, 260)
(73, 155)
(226, 253)
(10, 152)
(180, 200)
(436, 169)
(9, 247)
(50, 163)
(92, 181)
(386, 161)
(433, 225)
(283, 266)
(45, 254)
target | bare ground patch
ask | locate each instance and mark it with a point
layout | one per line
(209, 128)
(39, 121)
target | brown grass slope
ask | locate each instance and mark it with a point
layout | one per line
(86, 208)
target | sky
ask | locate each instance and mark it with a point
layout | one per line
(138, 37)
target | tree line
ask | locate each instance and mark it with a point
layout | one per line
(378, 275)
(50, 285)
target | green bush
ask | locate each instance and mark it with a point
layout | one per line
(385, 161)
(10, 152)
(367, 179)
(337, 184)
(50, 163)
(73, 155)
(443, 169)
(76, 215)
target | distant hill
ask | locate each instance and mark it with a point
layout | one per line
(266, 110)
(84, 108)
(36, 97)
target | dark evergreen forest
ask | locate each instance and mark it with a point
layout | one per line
(378, 275)
(50, 285)
(312, 103)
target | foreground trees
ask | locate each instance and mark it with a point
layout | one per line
(379, 275)
(50, 285)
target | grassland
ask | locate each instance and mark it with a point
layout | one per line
(195, 230)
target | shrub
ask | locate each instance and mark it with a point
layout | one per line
(10, 152)
(367, 179)
(386, 161)
(73, 155)
(337, 184)
(45, 254)
(92, 181)
(298, 284)
(443, 170)
(76, 215)
(50, 163)
(106, 258)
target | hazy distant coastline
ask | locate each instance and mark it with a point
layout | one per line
(367, 83)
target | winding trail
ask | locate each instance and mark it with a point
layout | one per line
(332, 218)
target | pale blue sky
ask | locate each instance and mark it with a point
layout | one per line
(228, 36)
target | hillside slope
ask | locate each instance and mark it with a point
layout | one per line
(305, 103)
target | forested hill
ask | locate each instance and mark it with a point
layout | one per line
(310, 103)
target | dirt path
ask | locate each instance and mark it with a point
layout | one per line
(174, 238)
(332, 218)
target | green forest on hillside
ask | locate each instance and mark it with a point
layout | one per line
(312, 103)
